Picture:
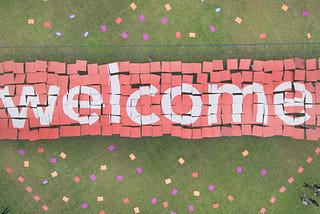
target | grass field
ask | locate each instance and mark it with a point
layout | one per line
(214, 159)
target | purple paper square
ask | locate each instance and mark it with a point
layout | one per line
(53, 160)
(21, 152)
(263, 172)
(119, 178)
(212, 28)
(84, 205)
(174, 191)
(190, 208)
(305, 13)
(153, 200)
(139, 170)
(124, 35)
(211, 187)
(164, 20)
(111, 148)
(72, 16)
(142, 18)
(145, 36)
(58, 33)
(44, 181)
(103, 28)
(93, 177)
(239, 169)
(173, 212)
(85, 34)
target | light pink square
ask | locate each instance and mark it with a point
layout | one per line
(272, 200)
(309, 160)
(300, 169)
(282, 189)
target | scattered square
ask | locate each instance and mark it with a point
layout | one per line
(47, 24)
(76, 179)
(211, 187)
(164, 20)
(45, 207)
(145, 36)
(93, 177)
(153, 200)
(305, 13)
(165, 204)
(65, 199)
(263, 172)
(290, 180)
(100, 198)
(125, 200)
(26, 163)
(133, 6)
(142, 18)
(139, 170)
(84, 205)
(72, 16)
(86, 34)
(282, 189)
(136, 210)
(103, 28)
(238, 20)
(21, 152)
(308, 35)
(230, 198)
(58, 33)
(317, 150)
(239, 169)
(272, 200)
(102, 212)
(40, 150)
(132, 156)
(212, 28)
(245, 153)
(53, 160)
(300, 169)
(263, 210)
(168, 181)
(181, 161)
(215, 205)
(190, 208)
(9, 170)
(192, 35)
(178, 35)
(195, 174)
(29, 189)
(44, 181)
(30, 21)
(196, 193)
(173, 212)
(263, 35)
(20, 179)
(217, 9)
(36, 198)
(309, 160)
(119, 178)
(174, 191)
(54, 174)
(284, 7)
(119, 20)
(125, 36)
(168, 7)
(103, 167)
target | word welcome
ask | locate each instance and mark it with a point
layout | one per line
(48, 100)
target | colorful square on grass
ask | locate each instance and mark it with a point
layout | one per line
(84, 205)
(215, 205)
(65, 199)
(174, 191)
(153, 200)
(76, 179)
(212, 28)
(59, 33)
(190, 208)
(45, 207)
(178, 35)
(181, 161)
(31, 21)
(309, 160)
(317, 150)
(230, 198)
(63, 155)
(164, 20)
(262, 35)
(195, 174)
(72, 16)
(125, 200)
(21, 179)
(145, 36)
(245, 153)
(40, 150)
(100, 198)
(53, 160)
(133, 6)
(290, 180)
(142, 18)
(282, 189)
(263, 210)
(300, 169)
(26, 164)
(28, 189)
(36, 197)
(196, 193)
(86, 34)
(93, 177)
(21, 152)
(284, 7)
(111, 148)
(132, 156)
(44, 181)
(103, 28)
(9, 170)
(54, 174)
(102, 212)
(103, 167)
(139, 170)
(239, 169)
(263, 172)
(211, 187)
(124, 35)
(165, 204)
(305, 13)
(272, 200)
(136, 210)
(168, 181)
(217, 9)
(173, 212)
(47, 24)
(119, 178)
(119, 20)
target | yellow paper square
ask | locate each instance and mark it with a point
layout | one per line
(65, 199)
(31, 21)
(309, 35)
(54, 174)
(238, 20)
(168, 181)
(133, 6)
(192, 35)
(181, 161)
(100, 198)
(285, 7)
(245, 153)
(132, 156)
(196, 193)
(63, 155)
(136, 210)
(168, 7)
(26, 163)
(103, 167)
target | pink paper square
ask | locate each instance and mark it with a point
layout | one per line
(309, 160)
(300, 169)
(282, 189)
(290, 180)
(272, 200)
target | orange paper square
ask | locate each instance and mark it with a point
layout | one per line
(181, 161)
(238, 20)
(54, 174)
(31, 21)
(245, 153)
(195, 175)
(40, 150)
(47, 24)
(125, 200)
(103, 167)
(26, 163)
(133, 6)
(196, 193)
(192, 35)
(165, 204)
(216, 205)
(230, 198)
(76, 179)
(63, 155)
(132, 156)
(168, 7)
(65, 199)
(168, 181)
(284, 7)
(100, 198)
(136, 210)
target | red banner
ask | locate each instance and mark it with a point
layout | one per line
(48, 100)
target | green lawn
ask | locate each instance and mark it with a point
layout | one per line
(214, 159)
